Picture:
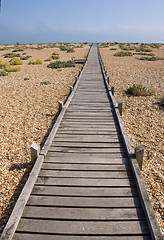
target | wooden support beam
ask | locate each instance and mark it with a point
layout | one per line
(70, 89)
(108, 80)
(139, 152)
(60, 106)
(35, 150)
(112, 90)
(120, 107)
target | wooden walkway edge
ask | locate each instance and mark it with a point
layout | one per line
(86, 183)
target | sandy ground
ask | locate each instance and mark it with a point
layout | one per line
(26, 111)
(143, 118)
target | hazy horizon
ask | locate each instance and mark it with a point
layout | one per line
(83, 20)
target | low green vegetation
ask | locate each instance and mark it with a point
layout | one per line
(18, 50)
(3, 73)
(25, 57)
(13, 69)
(113, 49)
(25, 79)
(53, 57)
(16, 61)
(122, 54)
(139, 90)
(63, 48)
(61, 64)
(104, 45)
(11, 55)
(154, 58)
(34, 62)
(45, 83)
(70, 50)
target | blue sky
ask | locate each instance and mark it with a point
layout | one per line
(43, 21)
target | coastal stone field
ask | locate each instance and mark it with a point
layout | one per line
(29, 102)
(143, 117)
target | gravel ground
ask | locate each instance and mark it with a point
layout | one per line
(143, 118)
(26, 112)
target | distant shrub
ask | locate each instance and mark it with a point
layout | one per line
(25, 79)
(13, 69)
(45, 83)
(63, 48)
(154, 58)
(70, 50)
(25, 57)
(53, 57)
(143, 49)
(127, 48)
(61, 64)
(15, 61)
(122, 54)
(11, 55)
(145, 54)
(104, 45)
(113, 49)
(3, 73)
(155, 45)
(34, 62)
(139, 90)
(18, 50)
(5, 65)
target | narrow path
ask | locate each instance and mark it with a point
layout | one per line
(85, 189)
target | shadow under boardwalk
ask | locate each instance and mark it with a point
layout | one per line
(85, 189)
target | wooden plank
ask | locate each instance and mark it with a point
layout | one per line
(86, 167)
(87, 144)
(87, 150)
(91, 202)
(109, 158)
(91, 132)
(34, 236)
(85, 191)
(83, 227)
(86, 139)
(85, 174)
(94, 214)
(84, 182)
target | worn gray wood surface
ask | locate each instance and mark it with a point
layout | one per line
(86, 188)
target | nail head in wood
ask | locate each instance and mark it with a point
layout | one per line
(112, 90)
(35, 150)
(139, 152)
(120, 107)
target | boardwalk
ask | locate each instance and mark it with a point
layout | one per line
(86, 189)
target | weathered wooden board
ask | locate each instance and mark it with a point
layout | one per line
(94, 202)
(85, 174)
(85, 191)
(86, 167)
(110, 158)
(87, 144)
(85, 182)
(35, 236)
(94, 214)
(83, 227)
